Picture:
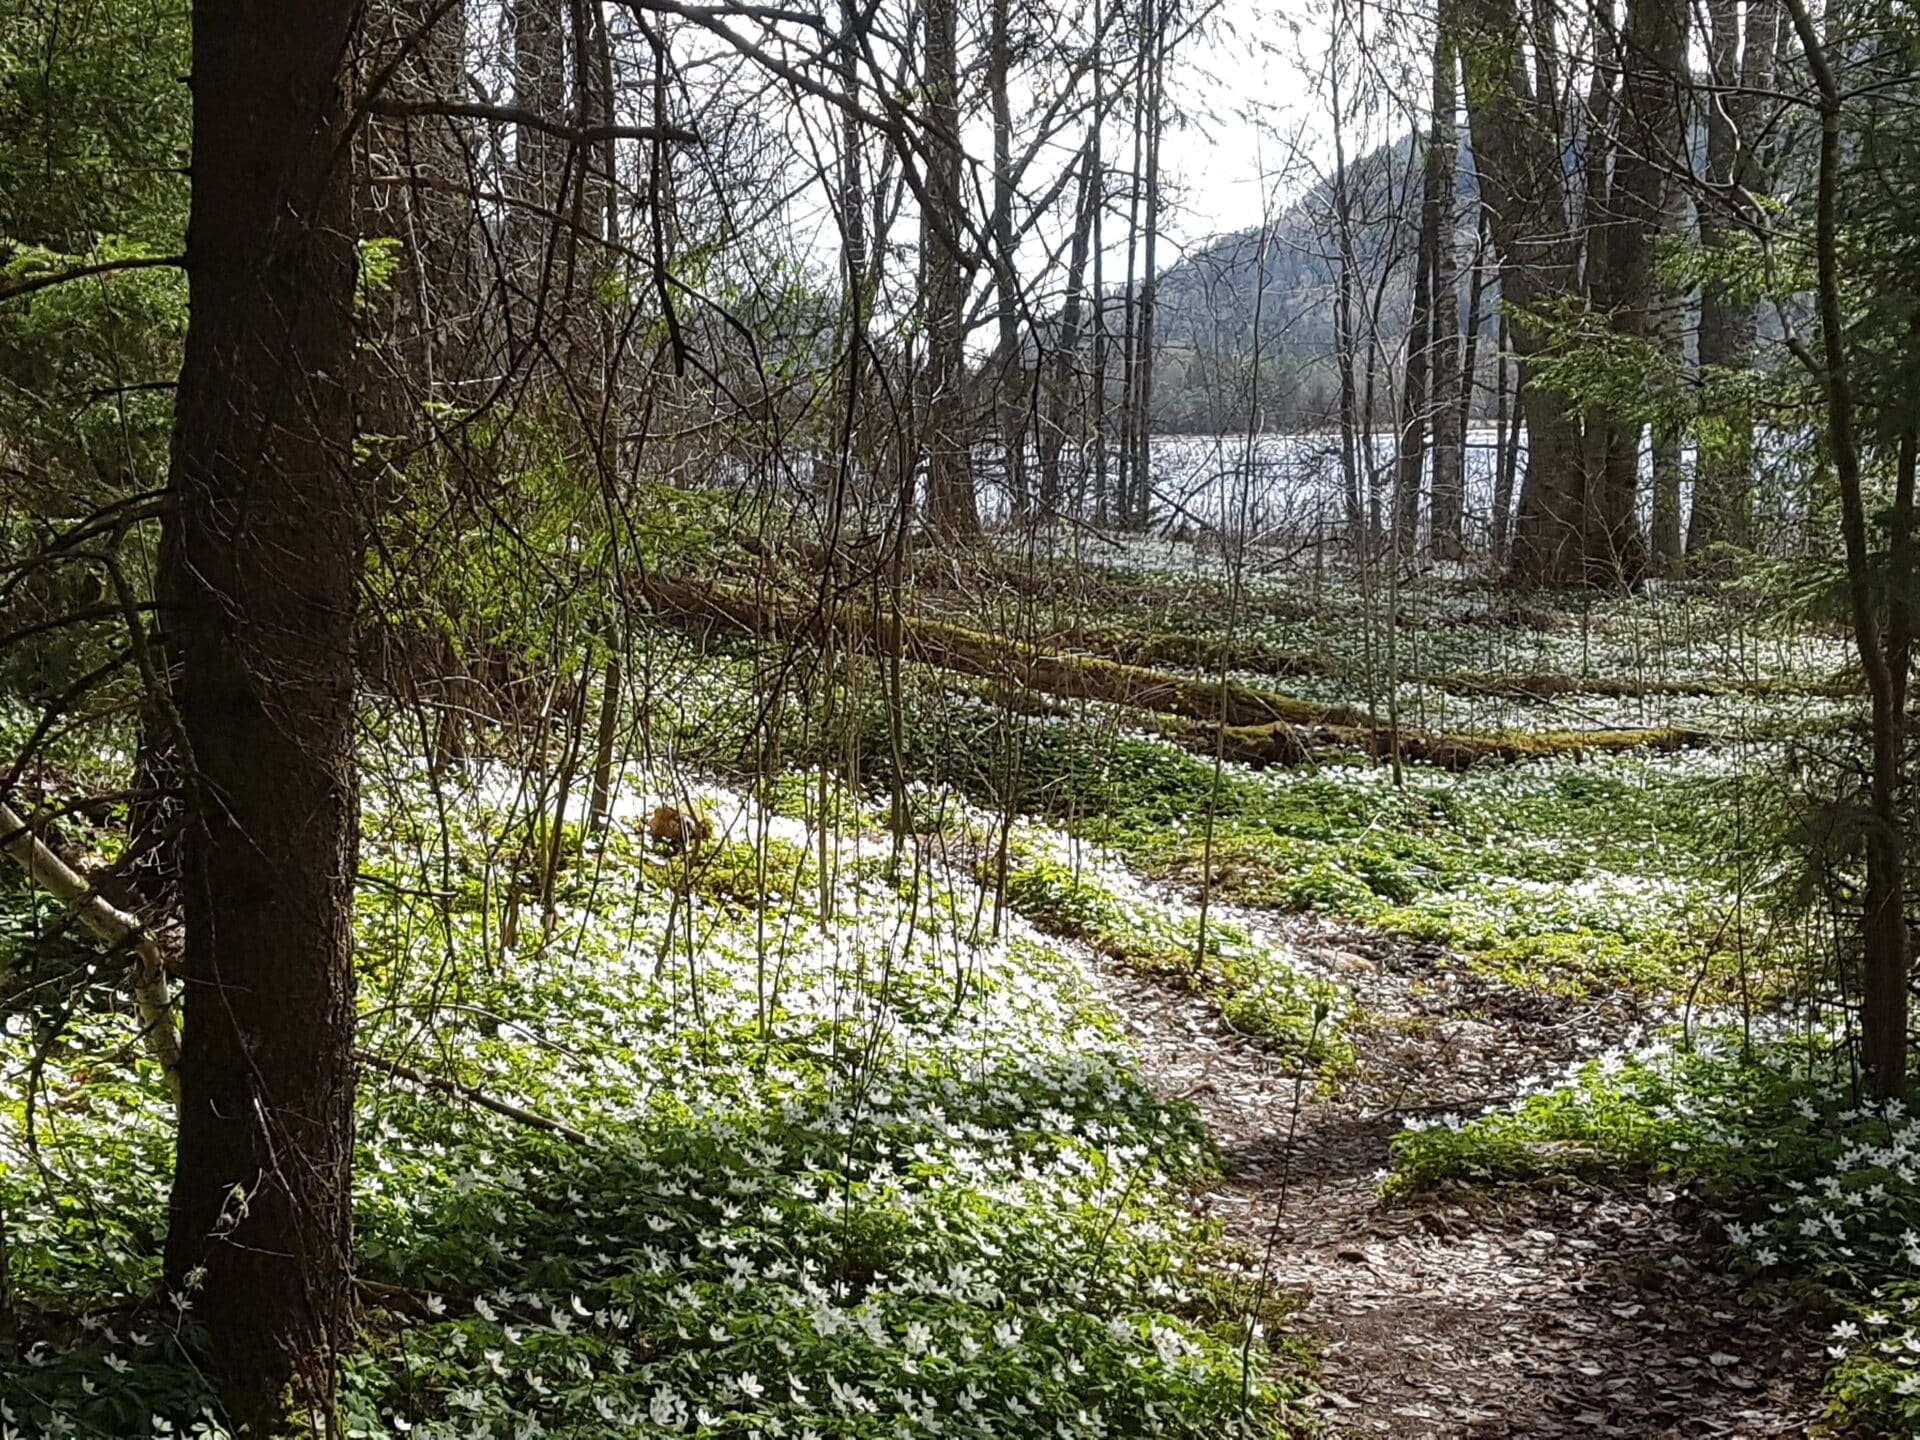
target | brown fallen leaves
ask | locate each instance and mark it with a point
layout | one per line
(1602, 1313)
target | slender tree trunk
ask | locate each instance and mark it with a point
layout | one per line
(1371, 382)
(1469, 381)
(1097, 393)
(613, 674)
(1648, 147)
(1437, 216)
(1344, 344)
(1130, 300)
(1149, 277)
(1546, 45)
(413, 169)
(262, 556)
(1411, 458)
(1345, 339)
(1667, 327)
(1065, 366)
(1884, 654)
(840, 453)
(537, 29)
(1596, 563)
(605, 745)
(1667, 331)
(1506, 459)
(1723, 487)
(1009, 397)
(592, 103)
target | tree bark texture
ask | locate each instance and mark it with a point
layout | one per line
(952, 507)
(1523, 185)
(261, 559)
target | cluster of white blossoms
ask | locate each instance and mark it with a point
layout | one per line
(1860, 1215)
(865, 1168)
(892, 1173)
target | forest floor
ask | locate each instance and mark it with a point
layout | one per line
(1589, 899)
(1483, 1313)
(1372, 984)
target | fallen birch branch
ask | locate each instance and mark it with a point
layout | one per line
(115, 927)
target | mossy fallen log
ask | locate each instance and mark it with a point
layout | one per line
(1626, 687)
(1156, 649)
(1282, 744)
(1214, 652)
(1253, 726)
(1202, 652)
(975, 652)
(1056, 578)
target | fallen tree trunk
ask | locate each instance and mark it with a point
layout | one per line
(1253, 726)
(800, 561)
(1262, 745)
(974, 652)
(1548, 687)
(1213, 652)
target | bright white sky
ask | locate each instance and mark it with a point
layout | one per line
(1255, 133)
(1240, 103)
(1251, 135)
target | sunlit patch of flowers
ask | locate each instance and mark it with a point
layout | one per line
(1582, 875)
(1341, 616)
(856, 1166)
(1086, 894)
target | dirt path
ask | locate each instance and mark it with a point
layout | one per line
(1512, 1315)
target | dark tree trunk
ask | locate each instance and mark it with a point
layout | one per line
(1411, 452)
(1506, 459)
(538, 30)
(1523, 185)
(414, 171)
(1595, 233)
(1469, 381)
(1010, 407)
(1345, 339)
(1723, 488)
(542, 228)
(1130, 304)
(605, 744)
(262, 559)
(1885, 650)
(1066, 356)
(1102, 338)
(1344, 344)
(1648, 148)
(1668, 324)
(839, 453)
(595, 209)
(1149, 277)
(1664, 538)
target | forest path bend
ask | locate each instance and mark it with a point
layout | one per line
(1510, 1314)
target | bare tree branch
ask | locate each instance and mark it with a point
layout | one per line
(520, 115)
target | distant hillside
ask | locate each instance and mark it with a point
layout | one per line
(1206, 308)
